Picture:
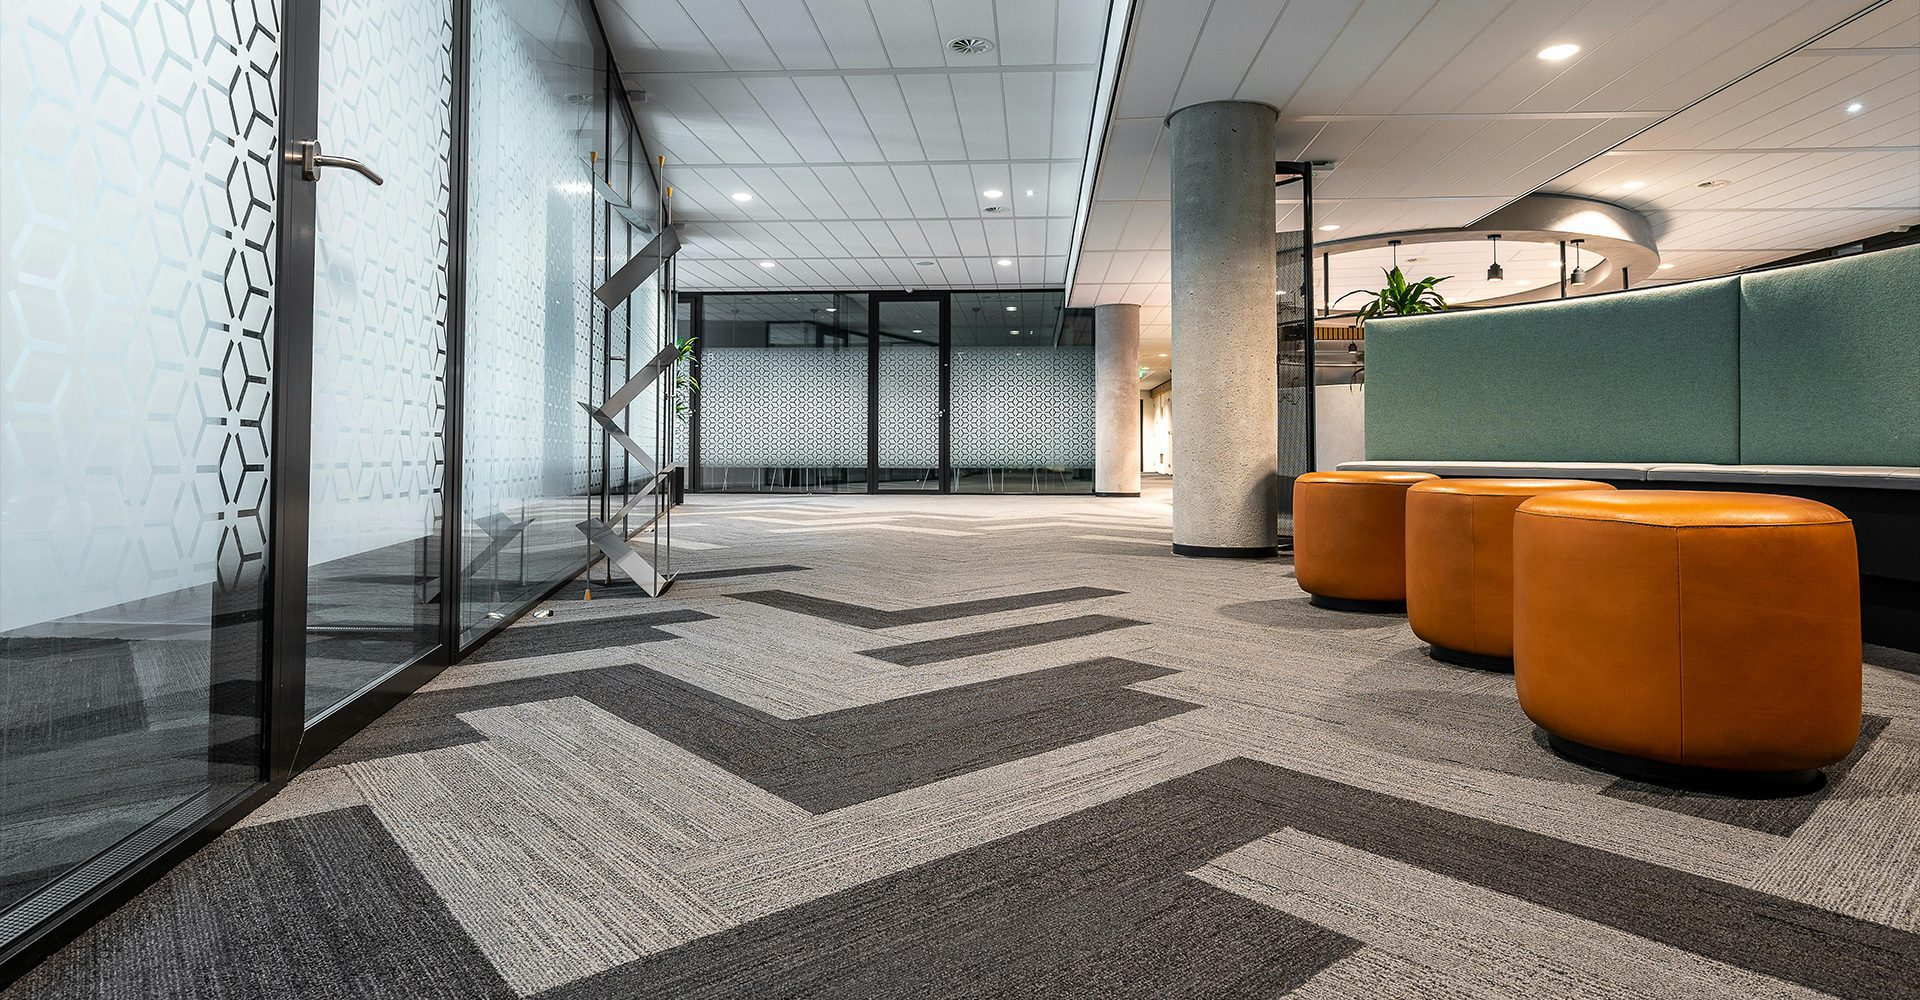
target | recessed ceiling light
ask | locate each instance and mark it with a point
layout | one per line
(1523, 282)
(1855, 108)
(1555, 53)
(1666, 267)
(1633, 185)
(992, 192)
(1713, 184)
(1029, 192)
(1328, 228)
(916, 331)
(832, 309)
(1013, 333)
(1163, 355)
(743, 196)
(768, 263)
(1013, 309)
(1004, 262)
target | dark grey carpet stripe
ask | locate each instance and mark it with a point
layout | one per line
(1097, 904)
(722, 574)
(322, 907)
(1781, 816)
(536, 638)
(821, 762)
(1817, 948)
(914, 654)
(865, 617)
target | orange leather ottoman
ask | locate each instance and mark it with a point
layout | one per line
(1689, 637)
(1350, 538)
(1460, 564)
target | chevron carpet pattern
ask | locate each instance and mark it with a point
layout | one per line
(928, 747)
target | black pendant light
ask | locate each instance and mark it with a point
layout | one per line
(1579, 275)
(1494, 273)
(1395, 244)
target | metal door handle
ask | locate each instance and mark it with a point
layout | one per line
(307, 154)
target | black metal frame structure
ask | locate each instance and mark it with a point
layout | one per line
(267, 637)
(874, 297)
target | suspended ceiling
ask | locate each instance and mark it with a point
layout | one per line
(864, 142)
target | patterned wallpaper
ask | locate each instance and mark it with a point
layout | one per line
(138, 213)
(1022, 408)
(380, 283)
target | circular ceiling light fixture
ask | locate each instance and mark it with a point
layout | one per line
(1004, 262)
(1163, 355)
(1855, 108)
(1666, 267)
(1013, 333)
(992, 193)
(1494, 273)
(832, 309)
(916, 331)
(1029, 192)
(970, 45)
(1329, 228)
(768, 263)
(743, 196)
(1559, 53)
(1713, 183)
(1013, 309)
(1633, 185)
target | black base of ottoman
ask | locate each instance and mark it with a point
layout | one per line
(1737, 784)
(1363, 607)
(1478, 661)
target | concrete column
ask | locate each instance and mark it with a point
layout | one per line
(1225, 414)
(1116, 387)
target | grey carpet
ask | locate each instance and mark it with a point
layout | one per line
(1206, 789)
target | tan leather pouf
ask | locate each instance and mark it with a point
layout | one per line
(1689, 636)
(1350, 538)
(1460, 564)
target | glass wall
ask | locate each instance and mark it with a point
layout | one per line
(907, 393)
(783, 392)
(536, 114)
(1023, 396)
(379, 345)
(139, 146)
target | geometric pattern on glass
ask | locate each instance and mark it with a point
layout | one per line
(1022, 408)
(784, 407)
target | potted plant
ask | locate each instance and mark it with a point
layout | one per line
(1400, 298)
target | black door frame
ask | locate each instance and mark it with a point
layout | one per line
(945, 354)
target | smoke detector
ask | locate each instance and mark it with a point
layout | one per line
(970, 45)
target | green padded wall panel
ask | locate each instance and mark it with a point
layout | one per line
(1647, 376)
(1830, 362)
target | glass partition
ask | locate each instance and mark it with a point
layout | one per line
(536, 118)
(783, 392)
(907, 401)
(1022, 395)
(139, 146)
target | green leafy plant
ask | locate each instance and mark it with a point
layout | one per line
(1399, 298)
(684, 379)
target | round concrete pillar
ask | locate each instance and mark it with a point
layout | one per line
(1225, 411)
(1116, 413)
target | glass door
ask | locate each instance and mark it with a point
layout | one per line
(381, 253)
(909, 393)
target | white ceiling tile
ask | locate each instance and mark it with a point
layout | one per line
(885, 112)
(789, 25)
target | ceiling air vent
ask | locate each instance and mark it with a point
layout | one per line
(923, 263)
(970, 45)
(994, 209)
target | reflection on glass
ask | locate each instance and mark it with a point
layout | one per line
(379, 346)
(137, 344)
(783, 393)
(908, 456)
(535, 120)
(1022, 394)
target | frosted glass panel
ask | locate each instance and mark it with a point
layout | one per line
(783, 393)
(908, 394)
(1022, 395)
(535, 117)
(137, 147)
(379, 343)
